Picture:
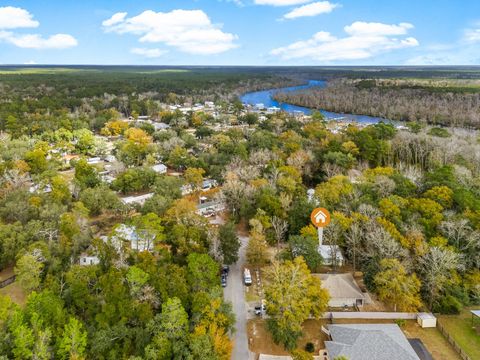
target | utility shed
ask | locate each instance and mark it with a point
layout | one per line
(426, 320)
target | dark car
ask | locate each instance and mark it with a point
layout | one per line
(225, 269)
(223, 280)
(258, 310)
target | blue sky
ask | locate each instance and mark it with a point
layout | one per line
(240, 32)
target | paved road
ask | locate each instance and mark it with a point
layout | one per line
(234, 293)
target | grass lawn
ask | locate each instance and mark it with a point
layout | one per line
(15, 292)
(460, 328)
(433, 340)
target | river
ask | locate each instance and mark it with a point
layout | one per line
(265, 97)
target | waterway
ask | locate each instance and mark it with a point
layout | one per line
(265, 97)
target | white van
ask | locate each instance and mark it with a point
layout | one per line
(247, 278)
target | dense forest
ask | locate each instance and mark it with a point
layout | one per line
(35, 100)
(405, 207)
(444, 103)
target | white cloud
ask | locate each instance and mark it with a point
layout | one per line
(472, 35)
(149, 53)
(313, 9)
(364, 41)
(364, 28)
(13, 18)
(30, 62)
(35, 41)
(281, 2)
(115, 19)
(190, 31)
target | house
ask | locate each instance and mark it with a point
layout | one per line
(207, 207)
(331, 255)
(94, 160)
(343, 290)
(209, 184)
(369, 341)
(87, 259)
(127, 233)
(139, 199)
(159, 168)
(110, 158)
(161, 126)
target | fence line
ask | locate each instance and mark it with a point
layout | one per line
(8, 281)
(452, 342)
(370, 315)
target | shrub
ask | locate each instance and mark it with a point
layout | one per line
(309, 347)
(448, 305)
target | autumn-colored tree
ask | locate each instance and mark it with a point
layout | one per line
(396, 287)
(114, 128)
(293, 294)
(334, 190)
(194, 177)
(257, 249)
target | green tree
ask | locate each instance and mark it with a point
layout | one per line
(202, 272)
(396, 287)
(307, 247)
(293, 294)
(74, 341)
(229, 243)
(86, 176)
(28, 271)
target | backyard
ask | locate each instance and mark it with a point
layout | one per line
(461, 330)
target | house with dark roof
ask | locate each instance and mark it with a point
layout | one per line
(368, 342)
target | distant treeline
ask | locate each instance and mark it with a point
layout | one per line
(459, 106)
(45, 99)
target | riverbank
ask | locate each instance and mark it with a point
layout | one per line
(396, 102)
(266, 99)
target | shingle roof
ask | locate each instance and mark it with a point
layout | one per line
(369, 341)
(341, 286)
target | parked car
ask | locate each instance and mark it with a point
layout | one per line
(223, 280)
(258, 310)
(247, 277)
(225, 269)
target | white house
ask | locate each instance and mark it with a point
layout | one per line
(209, 184)
(138, 241)
(331, 255)
(94, 160)
(86, 259)
(160, 168)
(140, 199)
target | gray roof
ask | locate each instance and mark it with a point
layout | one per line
(341, 286)
(369, 341)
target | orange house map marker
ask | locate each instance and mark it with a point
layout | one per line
(320, 217)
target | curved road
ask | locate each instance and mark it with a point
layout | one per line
(234, 292)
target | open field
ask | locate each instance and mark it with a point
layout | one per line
(15, 292)
(6, 273)
(262, 342)
(460, 328)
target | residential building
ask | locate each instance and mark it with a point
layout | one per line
(368, 342)
(343, 290)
